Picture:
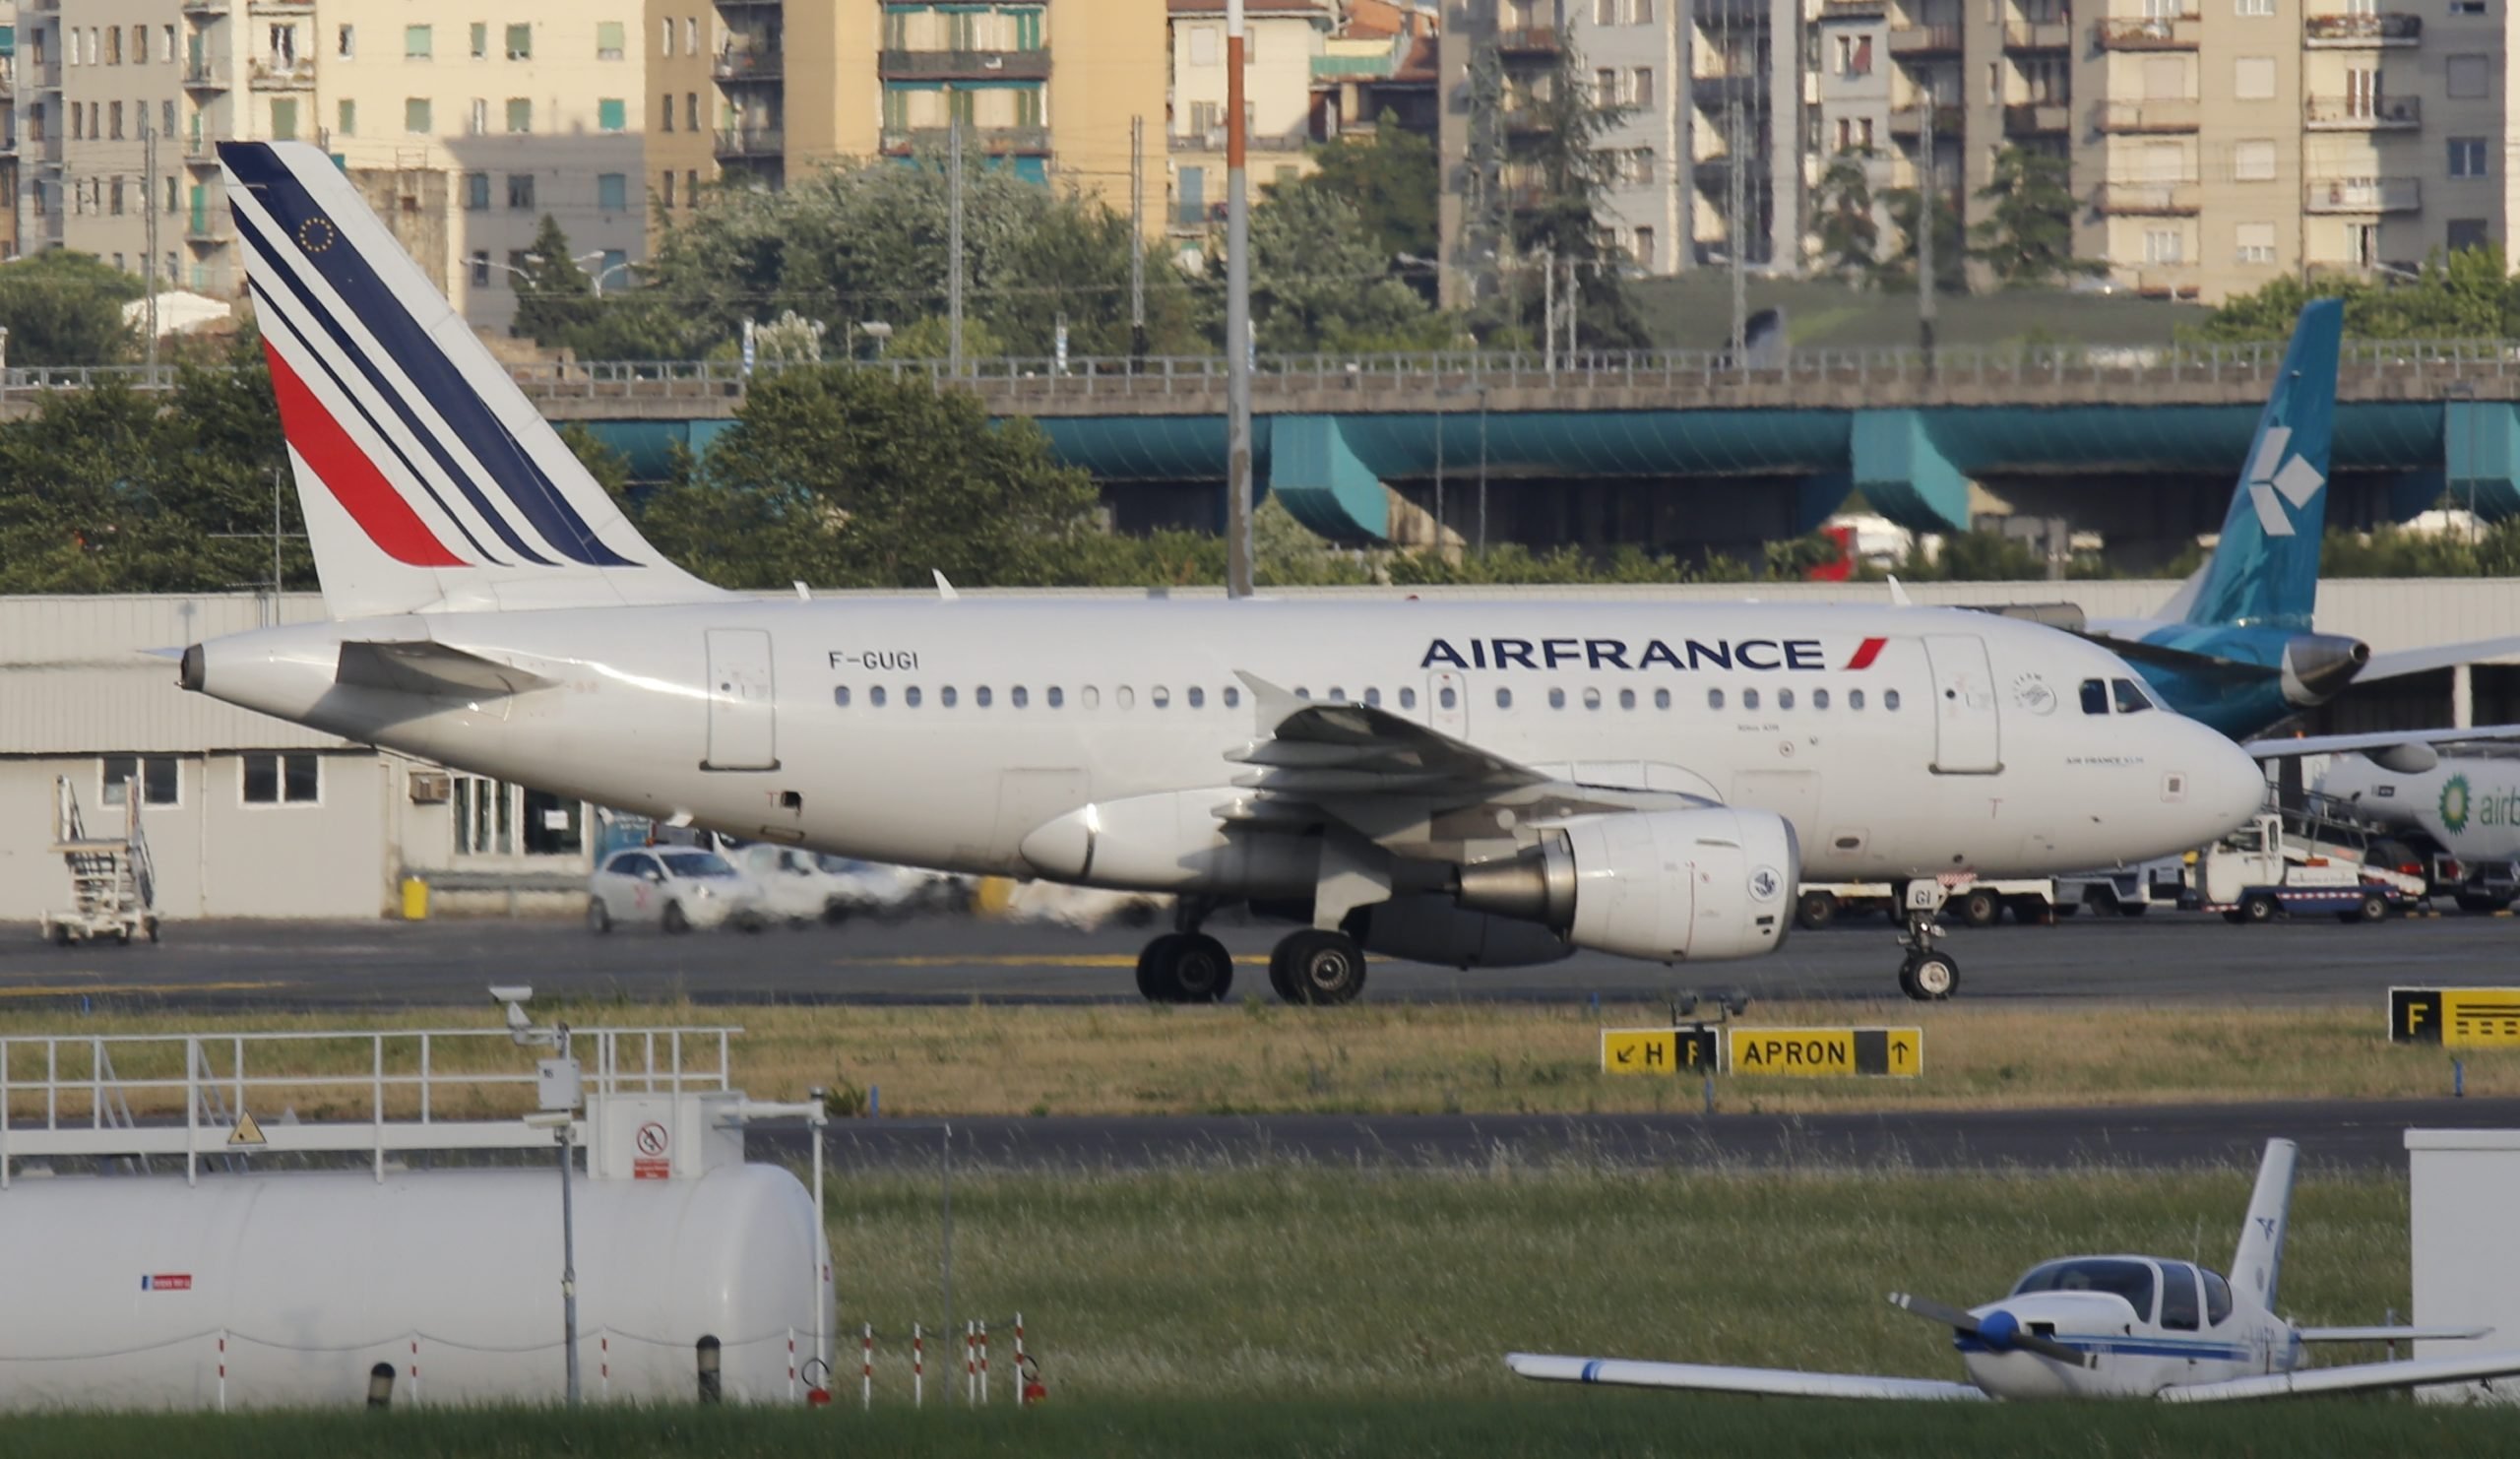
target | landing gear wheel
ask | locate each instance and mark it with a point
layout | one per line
(2259, 906)
(1929, 977)
(1156, 966)
(1815, 910)
(1319, 967)
(1979, 908)
(1201, 969)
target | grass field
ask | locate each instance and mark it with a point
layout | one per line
(1396, 1058)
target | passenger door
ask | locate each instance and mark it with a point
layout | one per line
(1966, 737)
(742, 705)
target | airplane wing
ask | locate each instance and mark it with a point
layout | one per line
(2338, 744)
(2439, 656)
(1773, 1382)
(2358, 1378)
(2391, 1334)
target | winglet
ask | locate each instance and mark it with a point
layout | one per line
(944, 588)
(1898, 596)
(1270, 706)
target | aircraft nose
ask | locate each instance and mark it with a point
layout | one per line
(2227, 784)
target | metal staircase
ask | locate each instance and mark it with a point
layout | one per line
(114, 891)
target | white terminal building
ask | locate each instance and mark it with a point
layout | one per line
(250, 816)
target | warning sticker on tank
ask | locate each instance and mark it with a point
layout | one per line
(167, 1281)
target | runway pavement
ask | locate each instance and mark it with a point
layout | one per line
(239, 965)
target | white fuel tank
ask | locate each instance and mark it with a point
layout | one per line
(122, 1292)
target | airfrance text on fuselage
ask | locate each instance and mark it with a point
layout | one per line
(1759, 655)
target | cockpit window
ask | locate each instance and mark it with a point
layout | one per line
(2131, 699)
(2131, 1280)
(2217, 1300)
(2178, 1295)
(2095, 697)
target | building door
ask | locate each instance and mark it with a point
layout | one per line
(743, 726)
(1965, 738)
(1448, 704)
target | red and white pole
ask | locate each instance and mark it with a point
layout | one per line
(866, 1367)
(416, 1370)
(970, 1362)
(791, 1365)
(603, 1363)
(223, 1370)
(983, 1362)
(917, 1366)
(1023, 1393)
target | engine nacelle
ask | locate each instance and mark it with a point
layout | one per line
(1666, 885)
(1427, 928)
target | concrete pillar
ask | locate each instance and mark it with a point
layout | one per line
(2462, 696)
(1313, 470)
(2480, 456)
(1904, 472)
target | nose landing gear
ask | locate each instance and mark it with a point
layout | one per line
(1925, 974)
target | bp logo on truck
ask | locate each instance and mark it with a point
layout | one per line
(2454, 805)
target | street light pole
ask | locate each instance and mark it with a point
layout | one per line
(1237, 320)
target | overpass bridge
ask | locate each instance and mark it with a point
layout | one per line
(1673, 448)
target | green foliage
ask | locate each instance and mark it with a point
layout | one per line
(1905, 205)
(1985, 557)
(608, 467)
(554, 298)
(2027, 235)
(1563, 154)
(2393, 553)
(1850, 238)
(932, 337)
(1321, 280)
(2463, 295)
(65, 308)
(1389, 178)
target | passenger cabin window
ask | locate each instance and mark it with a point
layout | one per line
(2131, 1280)
(1447, 698)
(1819, 699)
(1785, 699)
(636, 864)
(1159, 697)
(2095, 697)
(1661, 699)
(1409, 697)
(945, 696)
(1714, 699)
(1089, 697)
(839, 696)
(1198, 697)
(2217, 1300)
(1232, 696)
(1504, 698)
(1591, 699)
(2178, 1295)
(909, 697)
(1056, 697)
(1018, 696)
(1556, 699)
(1749, 699)
(2130, 697)
(1125, 697)
(875, 696)
(1373, 699)
(1627, 699)
(1855, 699)
(1889, 699)
(980, 696)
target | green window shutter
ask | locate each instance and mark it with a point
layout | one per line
(520, 43)
(611, 192)
(520, 114)
(613, 115)
(420, 43)
(415, 115)
(481, 40)
(349, 119)
(608, 41)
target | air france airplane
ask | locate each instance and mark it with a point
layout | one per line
(2107, 1327)
(1455, 782)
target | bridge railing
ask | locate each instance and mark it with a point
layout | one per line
(1467, 375)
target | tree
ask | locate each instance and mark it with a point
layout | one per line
(1321, 280)
(65, 308)
(2464, 296)
(1850, 238)
(554, 297)
(1568, 174)
(1389, 178)
(1906, 205)
(2027, 235)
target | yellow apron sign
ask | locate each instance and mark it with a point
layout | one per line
(2459, 1017)
(1657, 1051)
(1824, 1053)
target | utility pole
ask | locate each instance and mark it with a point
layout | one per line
(1574, 308)
(954, 243)
(149, 207)
(1549, 311)
(1237, 320)
(1137, 237)
(1928, 220)
(1737, 197)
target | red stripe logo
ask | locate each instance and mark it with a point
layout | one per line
(347, 473)
(1865, 652)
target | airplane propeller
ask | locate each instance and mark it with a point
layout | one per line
(1998, 1329)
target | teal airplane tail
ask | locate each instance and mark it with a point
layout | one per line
(2265, 570)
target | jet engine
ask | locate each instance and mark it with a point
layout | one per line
(1429, 928)
(1704, 883)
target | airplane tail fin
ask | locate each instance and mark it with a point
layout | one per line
(2259, 1258)
(430, 481)
(2266, 567)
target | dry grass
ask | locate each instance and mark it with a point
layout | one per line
(1469, 1058)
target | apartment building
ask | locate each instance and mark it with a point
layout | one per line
(1743, 62)
(465, 132)
(100, 88)
(689, 46)
(8, 174)
(1283, 40)
(1631, 51)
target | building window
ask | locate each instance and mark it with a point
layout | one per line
(614, 264)
(415, 115)
(2470, 77)
(476, 191)
(520, 192)
(345, 41)
(2164, 246)
(1202, 45)
(2253, 7)
(1645, 255)
(284, 119)
(2253, 78)
(2467, 157)
(611, 192)
(666, 122)
(346, 118)
(2253, 160)
(1642, 92)
(611, 114)
(1855, 56)
(2255, 243)
(2467, 6)
(608, 41)
(160, 777)
(520, 43)
(667, 194)
(477, 121)
(520, 114)
(1605, 87)
(480, 266)
(292, 779)
(419, 43)
(691, 34)
(691, 112)
(2466, 234)
(691, 187)
(481, 41)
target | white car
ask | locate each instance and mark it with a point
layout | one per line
(677, 888)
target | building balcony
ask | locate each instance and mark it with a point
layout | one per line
(2363, 114)
(1853, 10)
(208, 9)
(2360, 30)
(1529, 41)
(2037, 36)
(2363, 195)
(740, 67)
(2155, 115)
(281, 7)
(2038, 119)
(209, 228)
(988, 141)
(750, 142)
(965, 65)
(1210, 141)
(201, 151)
(1910, 120)
(2148, 200)
(2149, 32)
(1919, 43)
(1716, 93)
(206, 75)
(2167, 281)
(269, 75)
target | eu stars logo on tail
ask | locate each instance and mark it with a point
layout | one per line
(430, 481)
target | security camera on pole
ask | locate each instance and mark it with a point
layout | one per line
(559, 1089)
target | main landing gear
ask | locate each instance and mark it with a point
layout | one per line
(1311, 966)
(1925, 975)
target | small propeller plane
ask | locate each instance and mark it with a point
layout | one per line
(2105, 1327)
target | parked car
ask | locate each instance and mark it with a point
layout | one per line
(677, 888)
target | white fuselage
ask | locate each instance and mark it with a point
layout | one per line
(941, 733)
(2135, 1355)
(2469, 803)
